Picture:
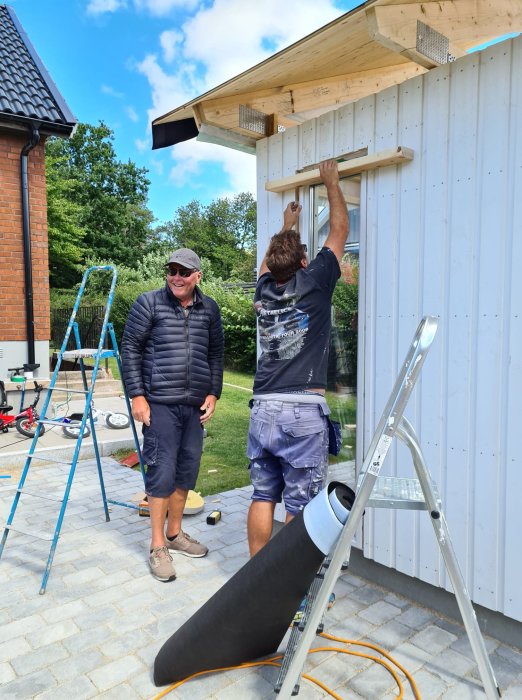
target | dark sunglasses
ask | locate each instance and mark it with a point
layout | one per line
(181, 271)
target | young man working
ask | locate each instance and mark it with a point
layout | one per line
(172, 360)
(288, 433)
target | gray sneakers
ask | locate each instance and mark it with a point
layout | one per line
(161, 564)
(187, 545)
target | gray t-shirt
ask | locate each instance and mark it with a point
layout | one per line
(294, 321)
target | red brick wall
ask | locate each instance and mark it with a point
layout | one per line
(12, 283)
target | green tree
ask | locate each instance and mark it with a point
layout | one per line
(107, 197)
(65, 232)
(224, 232)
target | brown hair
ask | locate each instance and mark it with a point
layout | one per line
(284, 255)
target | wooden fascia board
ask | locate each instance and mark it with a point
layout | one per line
(390, 156)
(464, 22)
(301, 97)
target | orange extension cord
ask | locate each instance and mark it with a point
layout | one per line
(273, 662)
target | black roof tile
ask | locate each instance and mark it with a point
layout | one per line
(27, 91)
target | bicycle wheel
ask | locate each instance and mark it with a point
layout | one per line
(73, 431)
(27, 427)
(118, 421)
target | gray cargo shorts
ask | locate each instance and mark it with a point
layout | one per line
(288, 452)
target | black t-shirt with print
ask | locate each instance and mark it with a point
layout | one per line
(294, 322)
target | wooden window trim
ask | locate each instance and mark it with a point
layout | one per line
(372, 161)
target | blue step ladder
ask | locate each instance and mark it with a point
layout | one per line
(107, 337)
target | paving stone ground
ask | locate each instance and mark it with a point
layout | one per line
(97, 629)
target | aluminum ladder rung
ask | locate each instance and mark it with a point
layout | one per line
(69, 391)
(30, 492)
(86, 352)
(47, 536)
(396, 492)
(43, 458)
(59, 423)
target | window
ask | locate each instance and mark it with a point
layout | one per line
(342, 364)
(351, 188)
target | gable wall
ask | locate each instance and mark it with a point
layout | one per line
(442, 236)
(12, 289)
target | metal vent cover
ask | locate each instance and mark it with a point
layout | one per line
(253, 120)
(433, 44)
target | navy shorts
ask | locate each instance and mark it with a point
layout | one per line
(172, 447)
(288, 452)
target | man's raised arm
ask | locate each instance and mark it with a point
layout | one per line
(290, 218)
(338, 212)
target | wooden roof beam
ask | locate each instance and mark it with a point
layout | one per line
(290, 101)
(465, 23)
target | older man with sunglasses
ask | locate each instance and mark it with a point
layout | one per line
(172, 359)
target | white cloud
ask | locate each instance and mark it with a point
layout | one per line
(168, 91)
(108, 90)
(131, 113)
(99, 7)
(158, 166)
(142, 145)
(233, 35)
(161, 8)
(170, 40)
(191, 158)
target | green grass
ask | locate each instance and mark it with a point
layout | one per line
(238, 379)
(224, 464)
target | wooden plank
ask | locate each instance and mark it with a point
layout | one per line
(390, 156)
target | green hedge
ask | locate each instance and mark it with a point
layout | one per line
(237, 312)
(239, 322)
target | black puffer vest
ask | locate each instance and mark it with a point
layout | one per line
(169, 357)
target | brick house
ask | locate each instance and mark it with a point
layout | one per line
(31, 110)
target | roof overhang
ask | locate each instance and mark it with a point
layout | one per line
(379, 44)
(24, 124)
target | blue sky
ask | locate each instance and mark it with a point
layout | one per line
(125, 62)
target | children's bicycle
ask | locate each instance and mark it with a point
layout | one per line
(112, 419)
(26, 422)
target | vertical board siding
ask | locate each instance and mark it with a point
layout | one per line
(463, 241)
(385, 272)
(442, 236)
(513, 369)
(493, 151)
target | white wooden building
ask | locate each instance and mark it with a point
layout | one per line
(440, 234)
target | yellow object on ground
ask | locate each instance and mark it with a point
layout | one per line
(195, 504)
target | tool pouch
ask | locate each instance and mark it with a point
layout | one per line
(335, 438)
